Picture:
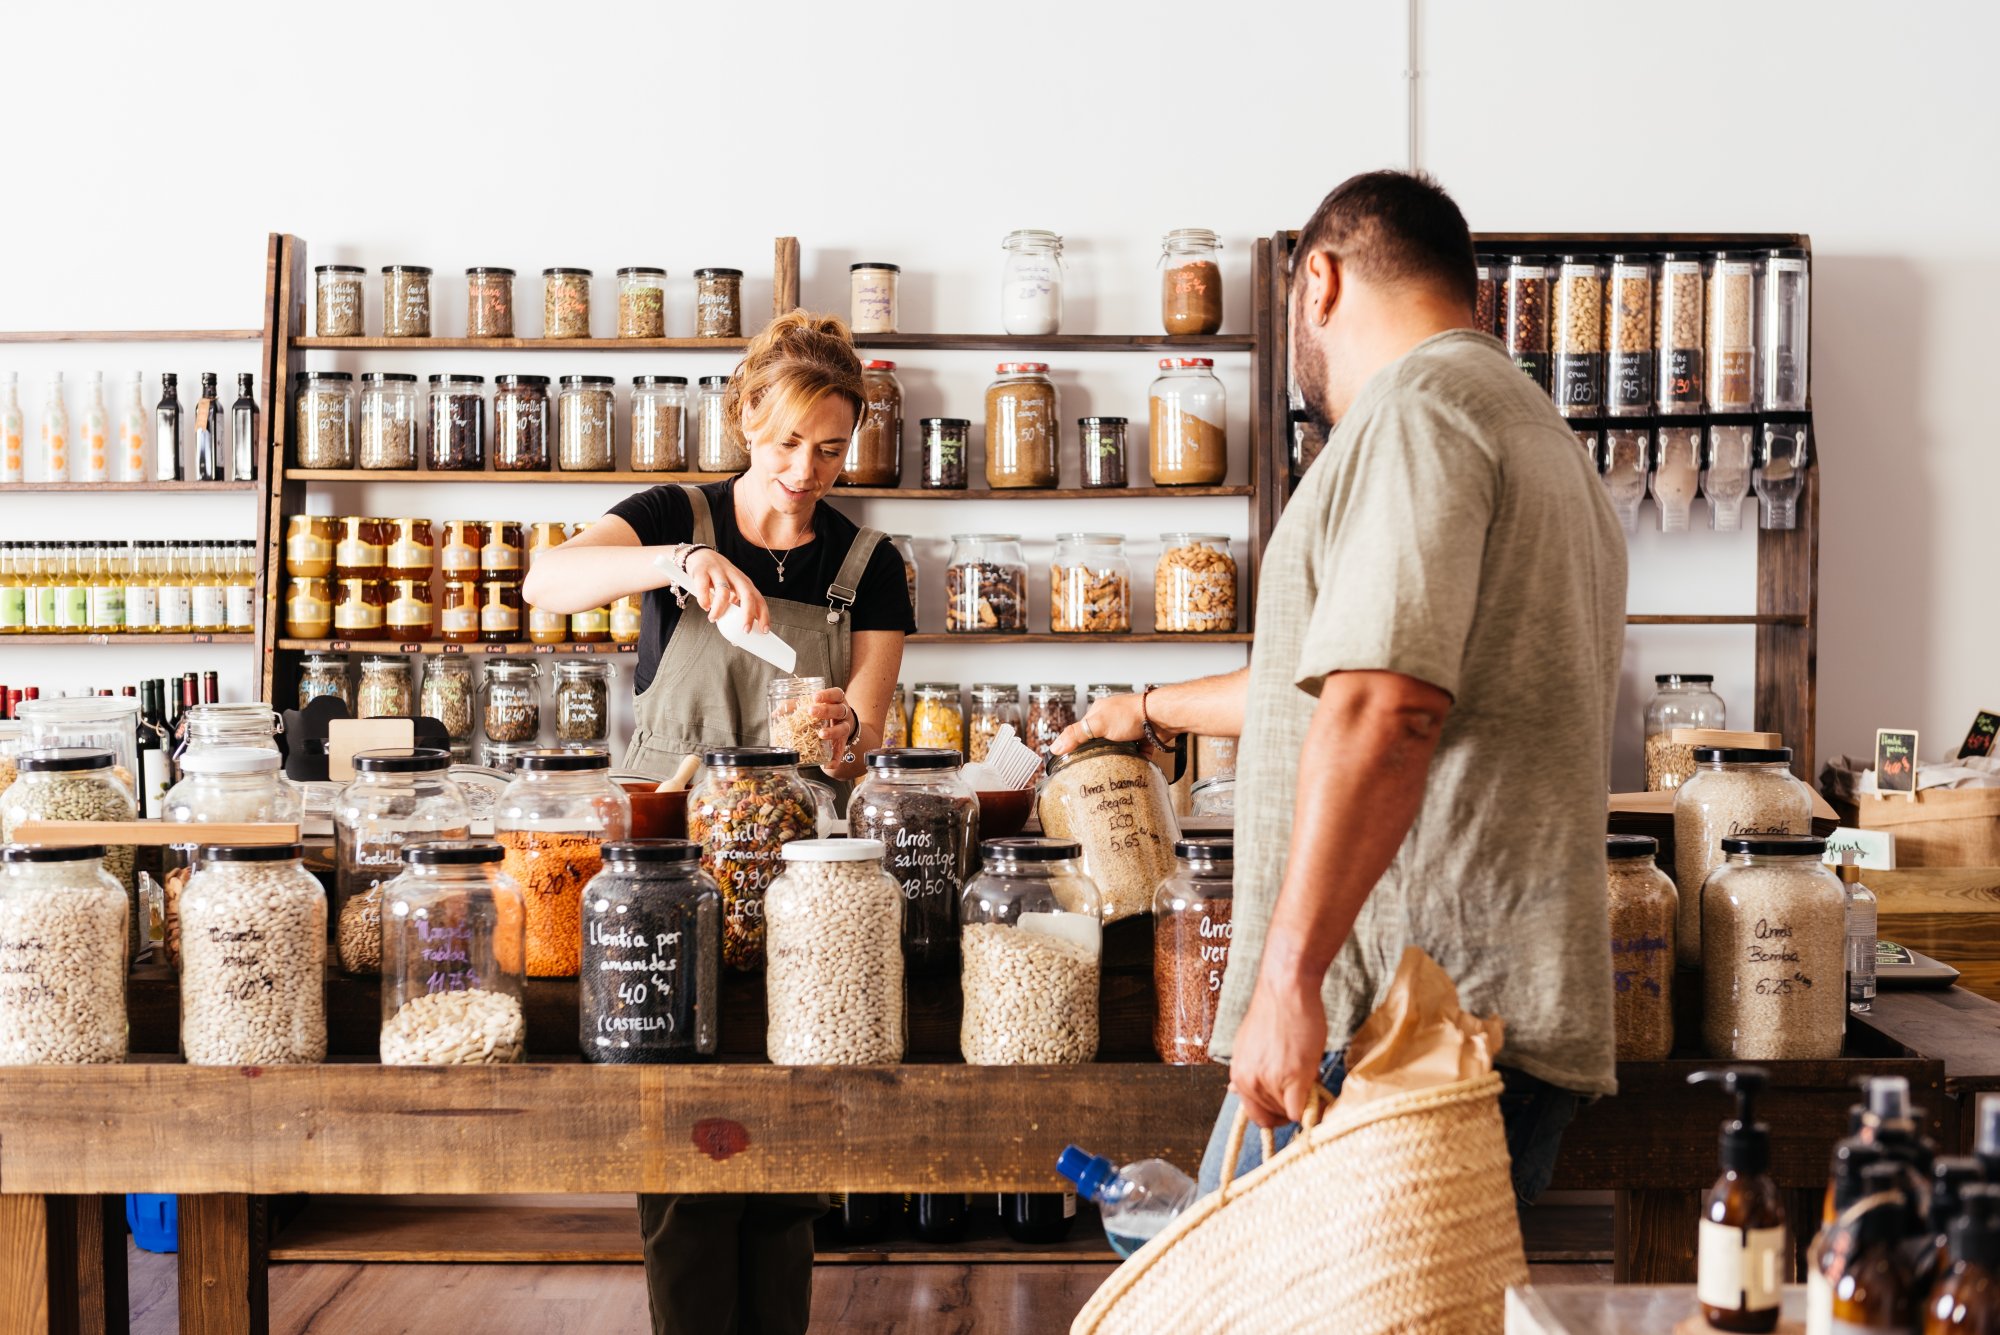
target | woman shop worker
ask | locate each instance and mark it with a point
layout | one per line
(742, 1265)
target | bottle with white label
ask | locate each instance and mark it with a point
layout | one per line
(95, 463)
(55, 432)
(1860, 936)
(13, 463)
(142, 589)
(134, 421)
(208, 608)
(240, 591)
(1741, 1258)
(176, 605)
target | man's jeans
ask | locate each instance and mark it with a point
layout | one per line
(1535, 1114)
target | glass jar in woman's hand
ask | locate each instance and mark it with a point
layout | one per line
(749, 804)
(553, 820)
(916, 802)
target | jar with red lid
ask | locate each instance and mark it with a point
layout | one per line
(1023, 432)
(875, 451)
(458, 612)
(458, 557)
(1190, 281)
(357, 548)
(503, 549)
(500, 611)
(360, 608)
(1186, 407)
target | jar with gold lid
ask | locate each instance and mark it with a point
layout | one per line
(357, 548)
(309, 546)
(412, 613)
(409, 549)
(360, 608)
(460, 544)
(309, 609)
(502, 549)
(500, 611)
(627, 619)
(458, 612)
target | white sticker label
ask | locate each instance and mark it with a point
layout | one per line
(1739, 1269)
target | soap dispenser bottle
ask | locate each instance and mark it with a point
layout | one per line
(1742, 1236)
(1966, 1300)
(1858, 1278)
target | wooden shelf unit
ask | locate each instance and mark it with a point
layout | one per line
(632, 477)
(135, 335)
(29, 488)
(132, 638)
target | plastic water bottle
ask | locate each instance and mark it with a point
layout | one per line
(1860, 936)
(1137, 1201)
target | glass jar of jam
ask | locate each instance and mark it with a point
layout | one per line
(360, 608)
(544, 535)
(412, 613)
(408, 549)
(357, 549)
(458, 612)
(309, 609)
(462, 539)
(502, 549)
(500, 609)
(591, 627)
(309, 546)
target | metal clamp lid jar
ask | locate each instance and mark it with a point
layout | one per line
(396, 798)
(1031, 936)
(1680, 700)
(510, 701)
(451, 958)
(1031, 282)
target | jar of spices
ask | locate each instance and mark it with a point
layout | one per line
(1678, 302)
(1773, 952)
(1488, 272)
(1676, 473)
(386, 688)
(65, 924)
(659, 414)
(447, 695)
(986, 584)
(452, 948)
(994, 706)
(1680, 700)
(500, 611)
(749, 804)
(1628, 337)
(1626, 464)
(1190, 441)
(1524, 315)
(521, 423)
(502, 549)
(406, 301)
(1786, 288)
(1191, 932)
(1090, 585)
(337, 300)
(875, 451)
(1578, 337)
(833, 980)
(1194, 585)
(565, 303)
(642, 302)
(1051, 708)
(937, 722)
(1734, 791)
(1779, 477)
(1190, 281)
(1644, 910)
(253, 959)
(916, 802)
(309, 543)
(871, 297)
(358, 550)
(463, 540)
(1102, 442)
(628, 619)
(458, 612)
(946, 447)
(388, 420)
(1114, 802)
(397, 798)
(70, 783)
(1728, 459)
(1032, 941)
(324, 674)
(309, 609)
(585, 423)
(1732, 333)
(325, 421)
(489, 303)
(1023, 431)
(555, 815)
(792, 726)
(360, 609)
(219, 783)
(510, 700)
(718, 303)
(651, 963)
(718, 442)
(1031, 283)
(895, 726)
(582, 701)
(908, 551)
(457, 441)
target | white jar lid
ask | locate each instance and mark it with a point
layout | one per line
(229, 760)
(835, 850)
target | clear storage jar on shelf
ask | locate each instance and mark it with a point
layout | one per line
(489, 302)
(448, 695)
(14, 740)
(749, 804)
(521, 423)
(337, 300)
(219, 783)
(325, 674)
(1023, 428)
(718, 303)
(833, 974)
(456, 439)
(1190, 281)
(659, 423)
(1194, 585)
(396, 798)
(1188, 420)
(1630, 354)
(642, 302)
(325, 421)
(871, 297)
(510, 701)
(1524, 315)
(895, 727)
(390, 420)
(875, 451)
(947, 451)
(70, 783)
(718, 436)
(652, 955)
(1644, 912)
(108, 723)
(554, 818)
(1676, 475)
(1114, 802)
(565, 303)
(1682, 338)
(1090, 585)
(1031, 282)
(582, 694)
(65, 927)
(406, 301)
(1576, 337)
(1051, 708)
(994, 706)
(908, 552)
(1732, 332)
(917, 803)
(1773, 952)
(789, 704)
(451, 958)
(986, 584)
(387, 690)
(1101, 445)
(253, 960)
(1779, 477)
(1785, 324)
(1031, 934)
(1192, 911)
(936, 719)
(586, 424)
(1729, 457)
(1680, 700)
(1626, 466)
(1734, 791)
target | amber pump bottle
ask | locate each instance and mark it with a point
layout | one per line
(1951, 1176)
(1966, 1300)
(1858, 1276)
(1742, 1236)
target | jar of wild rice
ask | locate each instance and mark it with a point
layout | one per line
(1644, 910)
(389, 420)
(406, 301)
(565, 303)
(585, 424)
(1773, 952)
(1735, 792)
(489, 302)
(325, 421)
(918, 804)
(642, 303)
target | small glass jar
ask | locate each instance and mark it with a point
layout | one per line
(521, 423)
(718, 303)
(325, 420)
(642, 302)
(833, 977)
(628, 619)
(1676, 475)
(489, 302)
(582, 701)
(358, 549)
(1031, 936)
(1192, 913)
(1734, 791)
(337, 300)
(456, 442)
(1630, 356)
(875, 451)
(218, 783)
(659, 421)
(503, 550)
(1524, 315)
(1577, 337)
(986, 585)
(553, 820)
(1626, 464)
(792, 727)
(448, 695)
(565, 303)
(452, 948)
(1023, 429)
(648, 989)
(749, 804)
(586, 424)
(947, 449)
(1780, 474)
(510, 701)
(871, 297)
(1489, 271)
(409, 548)
(386, 688)
(1194, 585)
(1681, 336)
(253, 963)
(1115, 803)
(1644, 911)
(1784, 317)
(389, 420)
(918, 804)
(1103, 690)
(1102, 443)
(458, 611)
(590, 626)
(994, 706)
(1732, 333)
(503, 755)
(1728, 459)
(71, 783)
(1090, 585)
(1680, 700)
(397, 798)
(309, 609)
(908, 552)
(1031, 283)
(65, 925)
(1051, 708)
(1190, 281)
(1773, 952)
(937, 721)
(325, 674)
(309, 545)
(1188, 419)
(718, 436)
(501, 611)
(360, 609)
(406, 301)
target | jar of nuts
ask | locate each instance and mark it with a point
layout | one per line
(395, 799)
(451, 958)
(986, 584)
(510, 701)
(793, 726)
(1032, 939)
(1194, 586)
(1090, 585)
(833, 974)
(253, 963)
(749, 804)
(64, 924)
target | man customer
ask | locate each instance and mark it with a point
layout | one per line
(1426, 719)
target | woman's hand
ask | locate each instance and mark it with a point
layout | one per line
(836, 718)
(1117, 718)
(716, 585)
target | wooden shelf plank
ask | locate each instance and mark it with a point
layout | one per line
(441, 647)
(123, 637)
(521, 344)
(132, 336)
(1191, 343)
(1047, 637)
(1648, 619)
(29, 487)
(1037, 494)
(628, 476)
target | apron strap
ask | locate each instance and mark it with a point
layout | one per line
(840, 595)
(704, 522)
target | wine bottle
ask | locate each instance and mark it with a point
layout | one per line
(210, 688)
(243, 432)
(209, 450)
(167, 463)
(153, 756)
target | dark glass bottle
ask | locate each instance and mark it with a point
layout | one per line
(865, 1217)
(1950, 1176)
(1863, 1281)
(184, 700)
(243, 432)
(940, 1217)
(1966, 1300)
(210, 688)
(1742, 1229)
(155, 749)
(168, 466)
(208, 438)
(1037, 1216)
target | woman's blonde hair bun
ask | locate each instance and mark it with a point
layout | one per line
(793, 362)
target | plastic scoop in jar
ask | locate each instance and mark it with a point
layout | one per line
(735, 627)
(1079, 929)
(1012, 764)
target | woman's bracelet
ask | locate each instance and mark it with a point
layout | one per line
(685, 553)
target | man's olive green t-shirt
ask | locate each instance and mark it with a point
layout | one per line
(1453, 531)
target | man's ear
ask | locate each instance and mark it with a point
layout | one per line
(1323, 279)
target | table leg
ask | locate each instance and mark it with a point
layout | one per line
(1653, 1236)
(224, 1266)
(104, 1295)
(38, 1279)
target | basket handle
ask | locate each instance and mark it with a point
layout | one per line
(1316, 1105)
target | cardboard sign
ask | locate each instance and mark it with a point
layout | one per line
(1979, 738)
(345, 736)
(1896, 761)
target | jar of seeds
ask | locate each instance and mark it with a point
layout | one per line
(585, 423)
(510, 701)
(652, 955)
(1735, 792)
(1644, 913)
(1628, 337)
(1114, 802)
(1678, 307)
(582, 701)
(521, 423)
(1031, 936)
(659, 416)
(718, 303)
(253, 958)
(489, 302)
(386, 688)
(65, 923)
(565, 303)
(448, 696)
(916, 802)
(452, 948)
(325, 421)
(458, 423)
(1773, 952)
(389, 420)
(406, 301)
(642, 303)
(1578, 337)
(833, 976)
(70, 783)
(396, 798)
(1192, 912)
(337, 300)
(1680, 700)
(718, 437)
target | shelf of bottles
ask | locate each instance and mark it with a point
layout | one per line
(194, 592)
(211, 448)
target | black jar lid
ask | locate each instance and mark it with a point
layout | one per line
(250, 852)
(64, 759)
(644, 380)
(1580, 259)
(387, 378)
(1742, 755)
(749, 757)
(561, 762)
(458, 380)
(342, 376)
(653, 852)
(1030, 850)
(715, 380)
(1633, 257)
(482, 269)
(1787, 253)
(453, 853)
(410, 760)
(1619, 847)
(565, 273)
(718, 273)
(1217, 847)
(1776, 845)
(588, 380)
(338, 268)
(423, 269)
(913, 757)
(875, 264)
(50, 853)
(1527, 261)
(1691, 678)
(641, 271)
(965, 422)
(521, 381)
(1100, 421)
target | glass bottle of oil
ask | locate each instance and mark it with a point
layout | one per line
(242, 588)
(142, 591)
(1966, 1300)
(72, 587)
(107, 588)
(176, 591)
(210, 608)
(40, 589)
(13, 590)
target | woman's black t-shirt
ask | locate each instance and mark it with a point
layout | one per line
(663, 515)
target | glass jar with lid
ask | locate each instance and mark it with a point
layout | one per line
(489, 302)
(1728, 459)
(325, 674)
(1784, 316)
(1023, 428)
(326, 428)
(452, 948)
(582, 700)
(937, 721)
(387, 690)
(409, 548)
(590, 626)
(219, 783)
(71, 783)
(652, 955)
(908, 552)
(1734, 791)
(628, 619)
(1682, 333)
(1644, 911)
(1189, 424)
(1676, 475)
(1031, 282)
(895, 727)
(503, 549)
(1779, 476)
(1090, 585)
(1101, 441)
(406, 301)
(792, 725)
(1628, 337)
(458, 611)
(1051, 708)
(521, 423)
(358, 551)
(1194, 585)
(503, 755)
(1773, 952)
(309, 541)
(253, 963)
(337, 300)
(65, 927)
(14, 740)
(457, 437)
(501, 611)
(105, 722)
(718, 435)
(309, 609)
(360, 609)
(396, 798)
(447, 695)
(553, 820)
(1031, 937)
(1626, 466)
(585, 424)
(460, 544)
(659, 417)
(1114, 802)
(565, 303)
(1190, 281)
(718, 303)
(833, 976)
(875, 451)
(642, 302)
(986, 584)
(1192, 911)
(1732, 332)
(994, 706)
(510, 700)
(917, 803)
(389, 420)
(1680, 700)
(749, 803)
(1524, 315)
(947, 448)
(1577, 337)
(871, 297)
(1488, 272)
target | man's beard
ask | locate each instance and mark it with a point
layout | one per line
(1309, 370)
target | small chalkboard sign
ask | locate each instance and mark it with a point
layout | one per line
(1979, 738)
(1896, 761)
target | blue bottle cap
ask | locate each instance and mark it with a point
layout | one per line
(1090, 1172)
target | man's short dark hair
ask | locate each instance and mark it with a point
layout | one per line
(1394, 227)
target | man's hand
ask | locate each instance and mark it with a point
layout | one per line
(1115, 718)
(1279, 1048)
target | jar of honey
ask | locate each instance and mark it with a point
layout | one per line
(500, 610)
(542, 536)
(458, 612)
(309, 547)
(591, 627)
(545, 627)
(360, 608)
(462, 539)
(309, 609)
(503, 549)
(627, 618)
(411, 614)
(408, 549)
(357, 548)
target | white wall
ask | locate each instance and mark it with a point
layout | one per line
(513, 133)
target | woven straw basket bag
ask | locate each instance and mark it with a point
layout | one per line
(1396, 1218)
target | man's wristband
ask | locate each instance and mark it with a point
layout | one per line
(1146, 728)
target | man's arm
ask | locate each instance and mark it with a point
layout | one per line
(1208, 707)
(1361, 782)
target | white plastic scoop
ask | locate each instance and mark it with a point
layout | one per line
(735, 627)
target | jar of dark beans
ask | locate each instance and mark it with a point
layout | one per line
(585, 422)
(718, 303)
(1103, 450)
(406, 301)
(1051, 708)
(652, 954)
(945, 447)
(521, 423)
(457, 441)
(1487, 271)
(489, 303)
(1524, 315)
(986, 584)
(916, 802)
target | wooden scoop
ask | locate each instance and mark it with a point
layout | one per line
(681, 776)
